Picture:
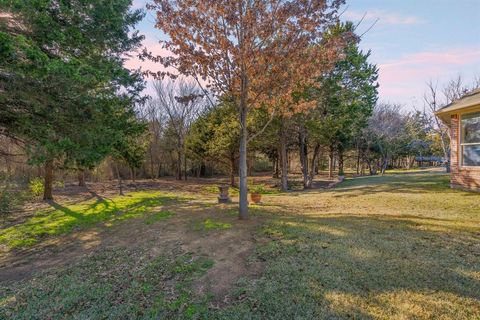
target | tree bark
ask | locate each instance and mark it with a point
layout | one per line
(358, 160)
(242, 166)
(203, 170)
(232, 170)
(313, 167)
(384, 165)
(48, 181)
(185, 165)
(330, 163)
(81, 178)
(303, 149)
(120, 185)
(276, 169)
(179, 165)
(283, 157)
(152, 170)
(340, 162)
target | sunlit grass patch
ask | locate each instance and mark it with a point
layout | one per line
(234, 191)
(213, 189)
(209, 224)
(393, 182)
(210, 189)
(157, 216)
(62, 219)
(232, 212)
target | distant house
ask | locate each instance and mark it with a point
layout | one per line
(463, 119)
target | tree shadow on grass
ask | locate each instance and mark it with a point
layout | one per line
(348, 266)
(63, 218)
(413, 183)
(417, 183)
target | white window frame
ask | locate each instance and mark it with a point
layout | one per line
(462, 144)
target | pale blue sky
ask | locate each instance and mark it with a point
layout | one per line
(412, 42)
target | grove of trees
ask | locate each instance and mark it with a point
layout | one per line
(249, 85)
(66, 97)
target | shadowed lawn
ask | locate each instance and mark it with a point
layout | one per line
(114, 284)
(399, 246)
(63, 219)
(340, 266)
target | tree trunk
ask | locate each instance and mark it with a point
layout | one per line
(410, 162)
(185, 166)
(232, 170)
(276, 172)
(152, 170)
(179, 165)
(283, 157)
(303, 149)
(447, 161)
(340, 162)
(81, 178)
(48, 182)
(120, 185)
(358, 160)
(330, 163)
(313, 167)
(370, 168)
(242, 165)
(203, 170)
(384, 165)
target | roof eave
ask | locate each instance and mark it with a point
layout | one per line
(445, 113)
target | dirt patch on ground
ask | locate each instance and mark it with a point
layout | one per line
(231, 252)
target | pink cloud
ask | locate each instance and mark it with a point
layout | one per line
(406, 77)
(384, 17)
(453, 57)
(135, 62)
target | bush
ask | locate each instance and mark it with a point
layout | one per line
(59, 184)
(262, 164)
(6, 201)
(259, 188)
(36, 186)
(10, 199)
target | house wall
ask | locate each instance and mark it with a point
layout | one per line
(461, 177)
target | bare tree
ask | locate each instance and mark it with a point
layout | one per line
(384, 136)
(181, 101)
(431, 98)
(452, 91)
(156, 125)
(457, 88)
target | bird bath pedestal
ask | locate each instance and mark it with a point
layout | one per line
(223, 197)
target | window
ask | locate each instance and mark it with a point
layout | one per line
(470, 139)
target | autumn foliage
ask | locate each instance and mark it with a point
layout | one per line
(258, 53)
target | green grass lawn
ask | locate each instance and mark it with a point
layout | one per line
(63, 219)
(399, 246)
(114, 284)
